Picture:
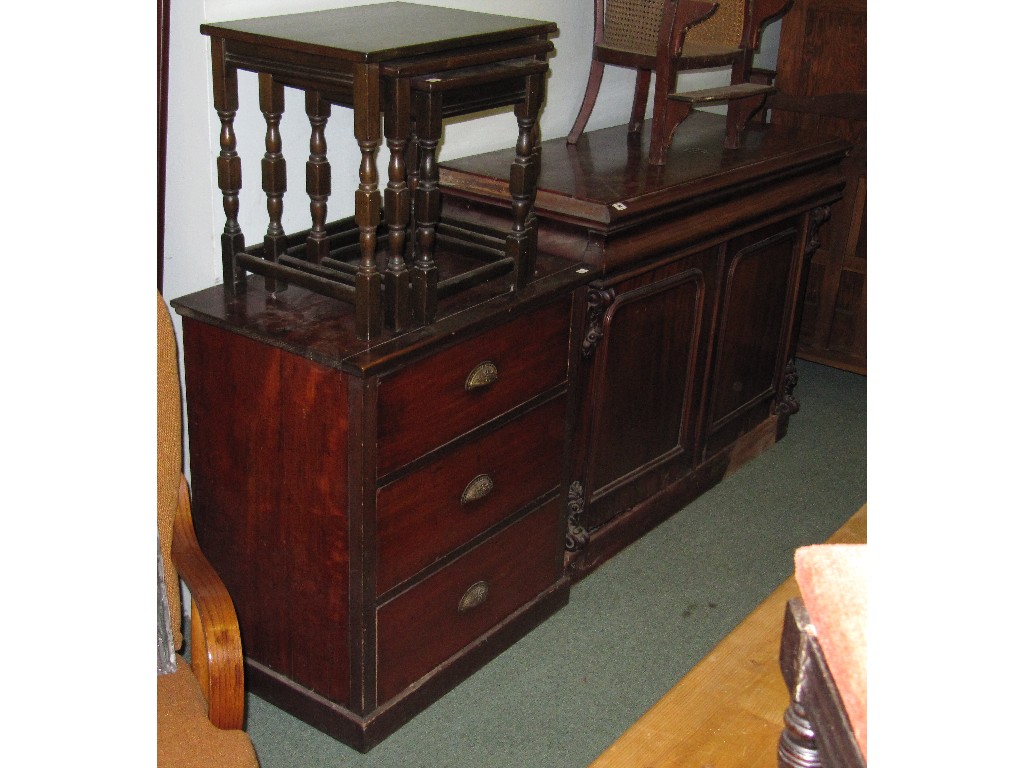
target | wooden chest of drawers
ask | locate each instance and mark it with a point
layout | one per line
(387, 517)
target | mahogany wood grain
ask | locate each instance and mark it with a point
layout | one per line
(424, 625)
(422, 516)
(726, 711)
(277, 533)
(287, 415)
(751, 347)
(645, 384)
(822, 83)
(356, 34)
(361, 57)
(687, 357)
(530, 356)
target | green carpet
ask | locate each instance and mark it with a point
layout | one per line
(565, 692)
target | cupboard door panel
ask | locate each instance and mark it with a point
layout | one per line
(759, 280)
(646, 378)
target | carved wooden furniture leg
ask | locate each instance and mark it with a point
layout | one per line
(643, 85)
(798, 747)
(668, 114)
(589, 99)
(740, 110)
(318, 177)
(397, 128)
(229, 167)
(366, 93)
(520, 245)
(274, 174)
(593, 81)
(428, 203)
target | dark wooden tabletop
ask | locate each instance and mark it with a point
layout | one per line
(323, 329)
(606, 178)
(375, 33)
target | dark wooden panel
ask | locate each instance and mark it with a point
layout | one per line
(822, 82)
(750, 349)
(427, 403)
(646, 368)
(423, 626)
(421, 517)
(356, 34)
(268, 448)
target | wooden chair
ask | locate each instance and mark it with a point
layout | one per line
(201, 704)
(667, 37)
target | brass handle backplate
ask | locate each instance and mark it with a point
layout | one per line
(477, 488)
(483, 375)
(474, 597)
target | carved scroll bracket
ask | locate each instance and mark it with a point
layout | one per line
(788, 403)
(576, 536)
(598, 301)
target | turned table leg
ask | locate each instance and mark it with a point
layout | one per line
(366, 91)
(428, 206)
(229, 167)
(397, 130)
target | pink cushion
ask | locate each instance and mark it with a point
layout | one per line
(833, 584)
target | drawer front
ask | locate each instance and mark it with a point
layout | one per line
(437, 399)
(431, 511)
(420, 628)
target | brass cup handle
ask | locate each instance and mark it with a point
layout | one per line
(474, 597)
(477, 488)
(483, 375)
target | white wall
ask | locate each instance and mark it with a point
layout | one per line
(194, 215)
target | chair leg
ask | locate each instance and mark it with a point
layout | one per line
(666, 120)
(589, 99)
(740, 110)
(643, 86)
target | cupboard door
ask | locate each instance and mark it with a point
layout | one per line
(646, 378)
(750, 350)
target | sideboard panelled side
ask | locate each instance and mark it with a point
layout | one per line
(687, 361)
(822, 83)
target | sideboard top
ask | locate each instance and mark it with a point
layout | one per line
(358, 34)
(605, 178)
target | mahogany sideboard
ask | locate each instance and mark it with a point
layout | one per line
(687, 364)
(387, 516)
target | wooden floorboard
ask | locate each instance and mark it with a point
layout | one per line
(727, 711)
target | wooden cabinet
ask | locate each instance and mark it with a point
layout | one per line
(389, 516)
(686, 365)
(822, 82)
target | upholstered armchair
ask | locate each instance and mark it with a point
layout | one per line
(201, 701)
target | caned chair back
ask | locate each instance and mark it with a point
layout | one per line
(725, 27)
(633, 25)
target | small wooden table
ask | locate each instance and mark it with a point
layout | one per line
(414, 63)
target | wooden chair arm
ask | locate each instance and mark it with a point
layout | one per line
(679, 17)
(761, 14)
(216, 641)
